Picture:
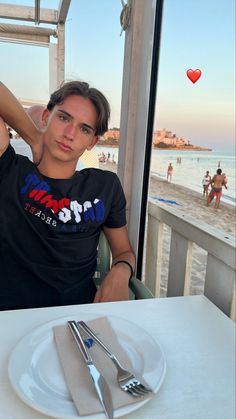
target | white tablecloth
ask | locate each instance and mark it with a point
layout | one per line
(197, 339)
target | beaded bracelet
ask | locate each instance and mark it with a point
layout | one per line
(127, 263)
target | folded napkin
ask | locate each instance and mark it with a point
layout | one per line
(77, 375)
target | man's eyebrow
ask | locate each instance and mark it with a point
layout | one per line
(65, 113)
(71, 117)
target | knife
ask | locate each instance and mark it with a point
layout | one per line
(100, 384)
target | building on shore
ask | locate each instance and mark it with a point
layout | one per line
(160, 137)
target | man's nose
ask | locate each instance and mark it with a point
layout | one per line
(69, 131)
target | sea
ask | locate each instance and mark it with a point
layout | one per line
(193, 167)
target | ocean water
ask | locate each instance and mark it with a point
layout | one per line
(193, 167)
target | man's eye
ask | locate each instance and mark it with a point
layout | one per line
(85, 130)
(63, 118)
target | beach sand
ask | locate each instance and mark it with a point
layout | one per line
(193, 204)
(189, 202)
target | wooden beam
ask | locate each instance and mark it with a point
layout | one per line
(24, 38)
(63, 10)
(13, 11)
(31, 30)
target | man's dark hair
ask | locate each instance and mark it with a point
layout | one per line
(219, 171)
(79, 88)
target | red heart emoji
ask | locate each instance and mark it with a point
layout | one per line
(194, 75)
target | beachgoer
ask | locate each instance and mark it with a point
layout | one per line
(205, 183)
(225, 180)
(169, 172)
(217, 182)
(51, 215)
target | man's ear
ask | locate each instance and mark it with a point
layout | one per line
(45, 116)
(93, 142)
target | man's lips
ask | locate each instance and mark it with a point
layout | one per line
(63, 146)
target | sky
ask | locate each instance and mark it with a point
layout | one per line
(195, 35)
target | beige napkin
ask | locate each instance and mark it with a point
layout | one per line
(77, 375)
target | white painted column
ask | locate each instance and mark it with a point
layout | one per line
(134, 109)
(53, 78)
(60, 54)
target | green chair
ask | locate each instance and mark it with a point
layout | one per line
(137, 288)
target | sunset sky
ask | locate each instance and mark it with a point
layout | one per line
(196, 35)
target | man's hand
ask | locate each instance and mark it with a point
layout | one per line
(115, 286)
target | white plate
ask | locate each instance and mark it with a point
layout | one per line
(36, 374)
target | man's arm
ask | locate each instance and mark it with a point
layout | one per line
(15, 116)
(115, 286)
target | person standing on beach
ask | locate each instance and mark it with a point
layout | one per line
(169, 172)
(217, 182)
(205, 183)
(52, 215)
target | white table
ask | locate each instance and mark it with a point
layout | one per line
(198, 341)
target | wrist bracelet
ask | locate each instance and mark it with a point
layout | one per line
(127, 263)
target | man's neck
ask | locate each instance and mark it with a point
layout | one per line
(57, 170)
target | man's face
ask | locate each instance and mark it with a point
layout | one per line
(70, 129)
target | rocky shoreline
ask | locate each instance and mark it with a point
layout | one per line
(114, 143)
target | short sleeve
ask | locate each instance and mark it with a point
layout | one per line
(6, 161)
(117, 214)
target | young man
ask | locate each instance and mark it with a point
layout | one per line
(217, 182)
(51, 216)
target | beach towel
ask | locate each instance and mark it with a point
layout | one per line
(167, 201)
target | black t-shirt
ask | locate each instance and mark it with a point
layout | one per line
(49, 232)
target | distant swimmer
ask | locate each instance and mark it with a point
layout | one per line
(206, 182)
(217, 182)
(169, 172)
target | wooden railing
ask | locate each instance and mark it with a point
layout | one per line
(220, 279)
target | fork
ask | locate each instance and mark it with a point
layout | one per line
(126, 380)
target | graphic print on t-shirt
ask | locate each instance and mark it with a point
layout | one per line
(64, 209)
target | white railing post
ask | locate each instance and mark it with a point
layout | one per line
(180, 264)
(154, 255)
(219, 283)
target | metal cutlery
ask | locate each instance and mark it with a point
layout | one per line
(100, 384)
(126, 380)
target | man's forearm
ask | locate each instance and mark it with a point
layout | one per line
(126, 257)
(14, 115)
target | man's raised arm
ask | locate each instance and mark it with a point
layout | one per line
(15, 116)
